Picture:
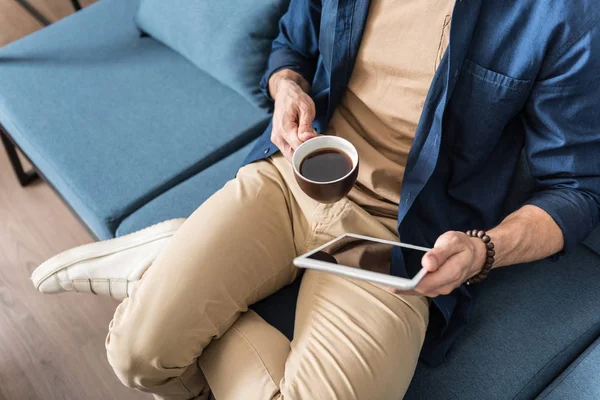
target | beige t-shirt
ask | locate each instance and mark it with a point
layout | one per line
(403, 44)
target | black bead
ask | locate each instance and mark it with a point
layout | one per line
(486, 239)
(491, 253)
(480, 234)
(490, 246)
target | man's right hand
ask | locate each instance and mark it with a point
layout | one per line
(294, 111)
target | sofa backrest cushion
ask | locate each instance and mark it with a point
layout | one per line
(230, 40)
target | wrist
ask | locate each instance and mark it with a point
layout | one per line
(286, 76)
(480, 254)
(490, 252)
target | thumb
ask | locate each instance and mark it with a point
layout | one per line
(435, 258)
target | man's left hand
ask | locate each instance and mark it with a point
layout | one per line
(455, 257)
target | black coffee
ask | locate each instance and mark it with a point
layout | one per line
(325, 165)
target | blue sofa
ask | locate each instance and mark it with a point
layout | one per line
(131, 124)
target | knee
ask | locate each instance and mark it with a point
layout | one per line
(132, 363)
(131, 368)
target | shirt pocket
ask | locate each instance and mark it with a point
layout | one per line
(482, 104)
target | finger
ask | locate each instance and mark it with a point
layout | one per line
(306, 118)
(304, 136)
(424, 293)
(406, 292)
(290, 133)
(282, 145)
(446, 290)
(425, 287)
(436, 257)
(449, 273)
(445, 247)
(287, 151)
(443, 291)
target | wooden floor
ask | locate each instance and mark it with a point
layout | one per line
(51, 347)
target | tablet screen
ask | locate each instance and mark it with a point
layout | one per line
(365, 254)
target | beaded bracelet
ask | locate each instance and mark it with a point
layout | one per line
(489, 261)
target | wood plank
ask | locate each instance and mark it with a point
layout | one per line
(57, 9)
(15, 22)
(51, 347)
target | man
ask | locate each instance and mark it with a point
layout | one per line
(439, 99)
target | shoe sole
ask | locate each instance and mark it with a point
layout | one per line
(104, 248)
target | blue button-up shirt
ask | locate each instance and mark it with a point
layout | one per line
(517, 75)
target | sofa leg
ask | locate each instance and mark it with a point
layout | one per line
(24, 177)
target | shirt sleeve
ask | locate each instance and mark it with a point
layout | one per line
(562, 122)
(296, 47)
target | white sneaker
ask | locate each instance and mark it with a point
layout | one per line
(108, 267)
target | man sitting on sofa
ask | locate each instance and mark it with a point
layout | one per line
(439, 113)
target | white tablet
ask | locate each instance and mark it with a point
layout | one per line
(361, 257)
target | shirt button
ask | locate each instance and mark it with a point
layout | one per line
(266, 150)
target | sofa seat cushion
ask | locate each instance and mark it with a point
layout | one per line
(529, 323)
(113, 119)
(581, 381)
(182, 200)
(229, 40)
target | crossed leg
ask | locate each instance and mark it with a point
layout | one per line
(352, 338)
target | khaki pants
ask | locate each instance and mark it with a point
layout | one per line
(186, 324)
